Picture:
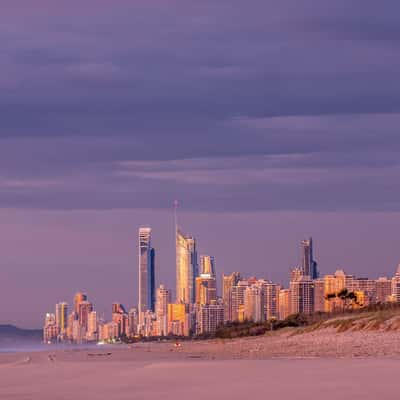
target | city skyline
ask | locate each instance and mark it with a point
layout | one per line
(288, 256)
(199, 309)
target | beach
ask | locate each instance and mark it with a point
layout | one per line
(284, 365)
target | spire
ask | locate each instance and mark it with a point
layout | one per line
(176, 204)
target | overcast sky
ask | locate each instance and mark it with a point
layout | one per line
(269, 121)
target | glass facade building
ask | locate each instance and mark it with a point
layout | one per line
(146, 272)
(186, 268)
(308, 264)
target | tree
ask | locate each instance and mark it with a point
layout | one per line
(348, 298)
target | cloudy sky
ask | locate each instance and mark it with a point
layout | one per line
(269, 121)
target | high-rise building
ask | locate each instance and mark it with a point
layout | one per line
(296, 273)
(228, 282)
(207, 265)
(85, 307)
(51, 329)
(118, 308)
(383, 290)
(206, 289)
(396, 285)
(308, 264)
(78, 332)
(368, 287)
(186, 268)
(271, 298)
(284, 304)
(254, 305)
(148, 327)
(206, 282)
(120, 317)
(319, 295)
(62, 317)
(108, 331)
(152, 296)
(78, 299)
(133, 322)
(364, 288)
(333, 284)
(238, 300)
(272, 301)
(209, 317)
(146, 272)
(179, 319)
(302, 296)
(163, 298)
(92, 331)
(70, 324)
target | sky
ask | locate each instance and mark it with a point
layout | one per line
(269, 121)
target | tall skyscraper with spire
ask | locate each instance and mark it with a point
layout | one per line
(308, 264)
(186, 268)
(146, 272)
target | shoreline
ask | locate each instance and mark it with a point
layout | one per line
(291, 343)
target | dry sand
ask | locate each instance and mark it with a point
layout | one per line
(323, 364)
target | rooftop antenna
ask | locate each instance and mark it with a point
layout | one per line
(176, 204)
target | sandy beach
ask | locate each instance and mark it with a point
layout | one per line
(312, 365)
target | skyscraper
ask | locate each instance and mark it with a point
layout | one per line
(206, 282)
(333, 284)
(368, 288)
(238, 300)
(163, 298)
(209, 317)
(228, 282)
(271, 298)
(296, 273)
(284, 303)
(120, 317)
(254, 304)
(319, 295)
(92, 331)
(207, 265)
(302, 296)
(50, 329)
(178, 319)
(308, 264)
(383, 290)
(85, 308)
(186, 268)
(396, 285)
(79, 298)
(206, 289)
(146, 272)
(61, 317)
(133, 321)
